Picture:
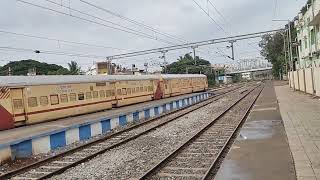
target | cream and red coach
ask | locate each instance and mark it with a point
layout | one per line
(33, 99)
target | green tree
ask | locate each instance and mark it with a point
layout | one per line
(186, 64)
(273, 50)
(74, 68)
(22, 67)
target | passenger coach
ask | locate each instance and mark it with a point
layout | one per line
(33, 99)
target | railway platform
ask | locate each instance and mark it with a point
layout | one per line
(301, 116)
(261, 151)
(44, 137)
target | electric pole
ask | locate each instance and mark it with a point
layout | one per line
(164, 60)
(232, 49)
(194, 54)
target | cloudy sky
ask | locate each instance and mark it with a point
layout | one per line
(97, 33)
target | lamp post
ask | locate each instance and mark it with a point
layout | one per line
(289, 46)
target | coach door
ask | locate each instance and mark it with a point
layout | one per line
(18, 104)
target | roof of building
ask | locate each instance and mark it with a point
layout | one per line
(72, 79)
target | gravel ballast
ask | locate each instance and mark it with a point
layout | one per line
(133, 158)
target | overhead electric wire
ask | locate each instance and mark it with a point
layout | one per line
(95, 17)
(95, 22)
(59, 53)
(218, 11)
(134, 22)
(60, 40)
(213, 20)
(226, 21)
(188, 45)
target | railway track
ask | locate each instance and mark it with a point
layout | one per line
(60, 162)
(198, 157)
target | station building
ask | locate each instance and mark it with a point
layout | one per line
(306, 67)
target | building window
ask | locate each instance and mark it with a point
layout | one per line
(88, 95)
(64, 98)
(54, 99)
(80, 96)
(102, 94)
(73, 97)
(141, 89)
(17, 104)
(44, 101)
(312, 35)
(300, 44)
(113, 93)
(133, 90)
(305, 42)
(32, 102)
(95, 94)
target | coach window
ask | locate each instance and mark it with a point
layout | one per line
(54, 99)
(102, 94)
(64, 98)
(73, 97)
(124, 91)
(17, 104)
(113, 93)
(95, 94)
(80, 96)
(108, 93)
(32, 102)
(88, 95)
(44, 101)
(118, 91)
(129, 91)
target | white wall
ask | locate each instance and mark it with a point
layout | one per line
(308, 81)
(317, 80)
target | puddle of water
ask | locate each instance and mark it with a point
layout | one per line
(231, 170)
(261, 129)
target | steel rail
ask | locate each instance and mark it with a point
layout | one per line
(105, 138)
(243, 118)
(165, 160)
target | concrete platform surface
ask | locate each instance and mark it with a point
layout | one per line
(41, 128)
(261, 151)
(301, 116)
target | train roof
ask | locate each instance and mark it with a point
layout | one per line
(73, 79)
(68, 79)
(174, 76)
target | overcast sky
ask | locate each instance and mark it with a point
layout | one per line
(179, 18)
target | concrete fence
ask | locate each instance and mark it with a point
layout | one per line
(306, 80)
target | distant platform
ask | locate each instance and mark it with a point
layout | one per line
(43, 137)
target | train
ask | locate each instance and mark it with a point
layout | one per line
(26, 100)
